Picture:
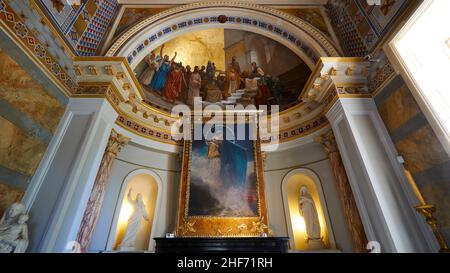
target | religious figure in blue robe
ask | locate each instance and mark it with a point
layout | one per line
(160, 78)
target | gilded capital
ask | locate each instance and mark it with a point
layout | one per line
(328, 142)
(116, 142)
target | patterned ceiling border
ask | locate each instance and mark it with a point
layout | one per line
(86, 42)
(305, 128)
(324, 42)
(150, 39)
(19, 32)
(381, 77)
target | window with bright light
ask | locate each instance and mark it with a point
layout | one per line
(423, 48)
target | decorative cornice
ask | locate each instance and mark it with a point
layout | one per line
(313, 33)
(340, 72)
(381, 77)
(113, 69)
(141, 129)
(112, 77)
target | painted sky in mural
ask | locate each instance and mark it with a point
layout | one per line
(222, 176)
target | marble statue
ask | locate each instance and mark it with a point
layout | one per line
(309, 213)
(13, 230)
(134, 223)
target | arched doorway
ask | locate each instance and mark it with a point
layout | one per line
(291, 185)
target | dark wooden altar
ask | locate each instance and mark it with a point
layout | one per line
(218, 245)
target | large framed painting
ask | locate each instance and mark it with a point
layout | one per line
(222, 187)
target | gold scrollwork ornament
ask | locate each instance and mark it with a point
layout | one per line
(428, 212)
(188, 227)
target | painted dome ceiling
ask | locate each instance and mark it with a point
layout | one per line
(277, 79)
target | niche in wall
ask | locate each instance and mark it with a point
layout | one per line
(147, 186)
(296, 227)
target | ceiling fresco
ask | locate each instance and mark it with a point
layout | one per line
(313, 16)
(224, 67)
(131, 16)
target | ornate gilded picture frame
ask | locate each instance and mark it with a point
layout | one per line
(222, 203)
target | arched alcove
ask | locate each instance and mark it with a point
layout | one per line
(148, 184)
(292, 182)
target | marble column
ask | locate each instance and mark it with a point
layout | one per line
(92, 211)
(344, 189)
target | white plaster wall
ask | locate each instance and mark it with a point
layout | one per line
(59, 191)
(312, 157)
(44, 205)
(167, 166)
(135, 157)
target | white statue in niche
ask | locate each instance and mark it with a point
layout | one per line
(14, 230)
(309, 212)
(134, 223)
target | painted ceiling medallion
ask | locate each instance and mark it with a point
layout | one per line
(222, 19)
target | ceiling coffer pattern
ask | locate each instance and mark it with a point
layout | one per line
(82, 23)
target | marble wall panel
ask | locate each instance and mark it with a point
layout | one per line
(422, 150)
(398, 108)
(18, 150)
(21, 91)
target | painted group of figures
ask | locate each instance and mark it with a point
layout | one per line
(173, 81)
(269, 88)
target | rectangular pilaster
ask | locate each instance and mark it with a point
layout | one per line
(384, 199)
(59, 191)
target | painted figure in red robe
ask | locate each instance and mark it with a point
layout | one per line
(172, 88)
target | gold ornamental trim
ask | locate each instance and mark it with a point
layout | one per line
(213, 226)
(325, 43)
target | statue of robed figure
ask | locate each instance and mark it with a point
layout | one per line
(134, 222)
(13, 229)
(309, 213)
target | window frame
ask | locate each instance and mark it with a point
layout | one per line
(396, 59)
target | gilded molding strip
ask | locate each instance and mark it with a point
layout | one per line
(283, 136)
(124, 62)
(144, 131)
(382, 78)
(316, 35)
(216, 226)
